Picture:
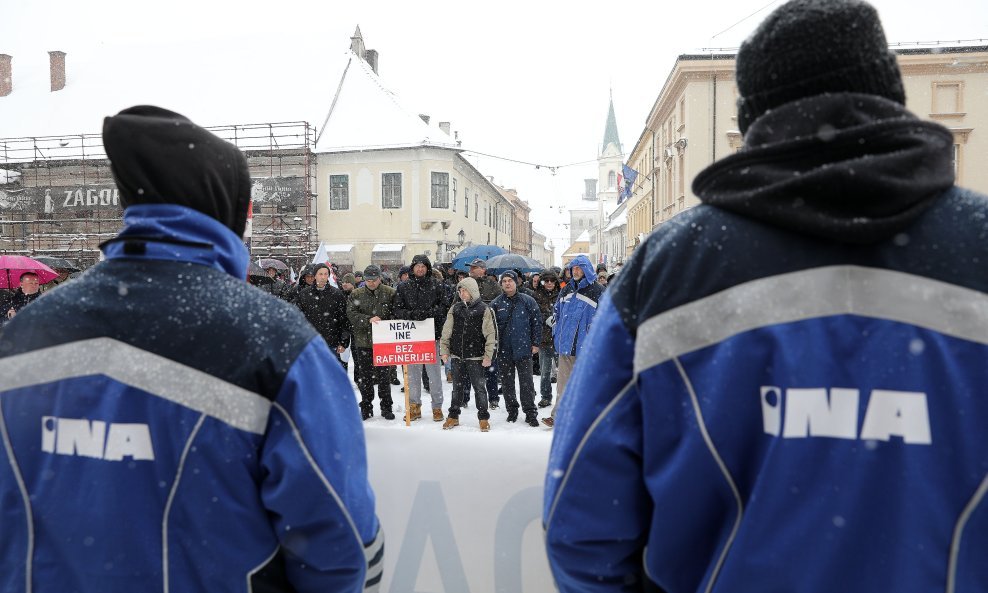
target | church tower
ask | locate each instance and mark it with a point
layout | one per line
(609, 162)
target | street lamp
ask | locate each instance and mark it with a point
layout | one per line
(461, 236)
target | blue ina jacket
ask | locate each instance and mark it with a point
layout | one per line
(772, 410)
(167, 427)
(575, 308)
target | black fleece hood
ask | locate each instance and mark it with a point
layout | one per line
(849, 167)
(421, 259)
(160, 157)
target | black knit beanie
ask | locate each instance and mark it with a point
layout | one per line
(811, 47)
(160, 157)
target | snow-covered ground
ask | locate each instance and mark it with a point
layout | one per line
(461, 509)
(468, 416)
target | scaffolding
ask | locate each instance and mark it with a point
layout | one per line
(58, 198)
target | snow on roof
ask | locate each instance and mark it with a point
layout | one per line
(584, 236)
(619, 221)
(216, 83)
(387, 247)
(366, 115)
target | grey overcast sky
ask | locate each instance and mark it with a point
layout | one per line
(527, 81)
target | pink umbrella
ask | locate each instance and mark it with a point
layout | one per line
(12, 266)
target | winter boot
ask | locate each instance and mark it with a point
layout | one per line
(513, 416)
(366, 414)
(437, 414)
(548, 421)
(493, 404)
(449, 376)
(387, 414)
(532, 421)
(451, 423)
(545, 402)
(485, 425)
(415, 410)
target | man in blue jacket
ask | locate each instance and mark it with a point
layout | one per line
(787, 386)
(167, 426)
(519, 329)
(574, 310)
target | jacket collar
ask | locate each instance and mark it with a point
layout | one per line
(848, 167)
(171, 232)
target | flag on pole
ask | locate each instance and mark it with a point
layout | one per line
(629, 176)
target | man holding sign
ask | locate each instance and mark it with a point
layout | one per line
(367, 306)
(421, 298)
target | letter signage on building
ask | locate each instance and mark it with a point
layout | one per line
(288, 193)
(401, 342)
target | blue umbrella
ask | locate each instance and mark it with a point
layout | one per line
(465, 256)
(512, 261)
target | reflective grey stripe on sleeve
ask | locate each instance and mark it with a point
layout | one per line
(374, 553)
(820, 292)
(142, 370)
(587, 300)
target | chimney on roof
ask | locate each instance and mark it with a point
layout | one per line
(370, 56)
(57, 60)
(425, 118)
(357, 43)
(6, 77)
(444, 126)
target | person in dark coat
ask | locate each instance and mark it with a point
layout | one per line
(546, 295)
(519, 329)
(25, 294)
(419, 298)
(163, 419)
(371, 303)
(325, 308)
(306, 278)
(798, 362)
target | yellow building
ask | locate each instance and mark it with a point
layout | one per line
(693, 123)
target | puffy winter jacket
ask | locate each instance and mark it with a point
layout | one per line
(787, 392)
(421, 298)
(168, 427)
(575, 308)
(519, 325)
(547, 302)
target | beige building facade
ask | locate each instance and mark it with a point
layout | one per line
(386, 206)
(542, 251)
(693, 123)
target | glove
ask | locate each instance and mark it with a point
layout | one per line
(550, 320)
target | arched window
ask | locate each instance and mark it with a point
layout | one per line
(611, 180)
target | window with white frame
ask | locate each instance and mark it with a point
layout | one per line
(611, 180)
(454, 194)
(391, 190)
(466, 205)
(440, 190)
(476, 207)
(339, 192)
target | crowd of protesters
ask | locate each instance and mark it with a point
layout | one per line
(495, 333)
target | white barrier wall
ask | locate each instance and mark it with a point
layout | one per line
(461, 510)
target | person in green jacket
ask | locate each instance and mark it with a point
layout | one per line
(370, 304)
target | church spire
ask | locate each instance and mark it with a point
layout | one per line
(611, 132)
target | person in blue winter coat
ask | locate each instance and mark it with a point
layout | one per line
(786, 390)
(519, 330)
(167, 426)
(574, 310)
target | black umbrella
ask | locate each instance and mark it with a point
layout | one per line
(512, 261)
(273, 263)
(59, 263)
(257, 276)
